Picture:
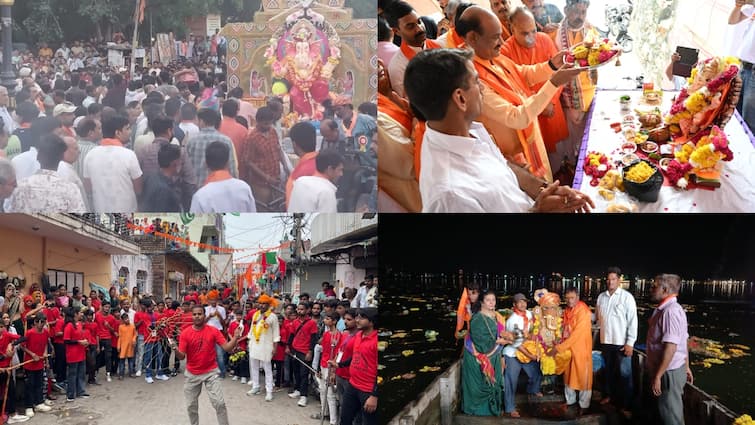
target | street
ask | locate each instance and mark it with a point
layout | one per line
(133, 401)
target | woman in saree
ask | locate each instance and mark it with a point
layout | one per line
(481, 368)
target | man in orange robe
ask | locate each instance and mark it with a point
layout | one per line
(577, 339)
(510, 109)
(528, 46)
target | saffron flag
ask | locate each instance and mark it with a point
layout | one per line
(248, 275)
(142, 6)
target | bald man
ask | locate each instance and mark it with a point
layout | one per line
(548, 17)
(510, 108)
(527, 46)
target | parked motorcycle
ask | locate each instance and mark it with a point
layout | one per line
(617, 21)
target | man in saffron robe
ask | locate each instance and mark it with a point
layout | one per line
(510, 108)
(528, 46)
(577, 339)
(407, 24)
(579, 93)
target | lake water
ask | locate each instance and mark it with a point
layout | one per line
(731, 382)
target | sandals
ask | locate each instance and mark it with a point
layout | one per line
(515, 414)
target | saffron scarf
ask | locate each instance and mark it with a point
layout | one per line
(111, 142)
(409, 53)
(218, 176)
(400, 115)
(454, 40)
(513, 89)
(523, 315)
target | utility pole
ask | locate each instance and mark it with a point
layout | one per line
(296, 255)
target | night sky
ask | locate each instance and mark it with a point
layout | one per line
(693, 246)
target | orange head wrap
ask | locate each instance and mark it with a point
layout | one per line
(264, 299)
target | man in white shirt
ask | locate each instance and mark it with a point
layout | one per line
(66, 169)
(363, 298)
(215, 315)
(46, 191)
(7, 181)
(520, 324)
(616, 313)
(188, 120)
(317, 193)
(10, 125)
(221, 191)
(405, 22)
(111, 171)
(744, 11)
(462, 168)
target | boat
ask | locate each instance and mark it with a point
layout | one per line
(439, 404)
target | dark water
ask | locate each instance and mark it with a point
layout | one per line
(732, 382)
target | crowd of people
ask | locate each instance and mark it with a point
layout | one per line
(62, 342)
(546, 341)
(169, 138)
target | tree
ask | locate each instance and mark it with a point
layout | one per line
(42, 24)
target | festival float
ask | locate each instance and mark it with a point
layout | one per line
(303, 51)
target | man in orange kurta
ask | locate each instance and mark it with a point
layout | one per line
(510, 108)
(577, 339)
(528, 46)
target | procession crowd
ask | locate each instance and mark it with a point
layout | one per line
(61, 342)
(544, 342)
(81, 136)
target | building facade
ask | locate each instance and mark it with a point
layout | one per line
(63, 249)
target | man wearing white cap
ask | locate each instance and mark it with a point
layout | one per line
(64, 112)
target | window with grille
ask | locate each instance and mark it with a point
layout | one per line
(141, 281)
(65, 278)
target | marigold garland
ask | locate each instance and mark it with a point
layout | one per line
(256, 329)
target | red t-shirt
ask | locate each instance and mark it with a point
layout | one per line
(327, 340)
(146, 319)
(152, 333)
(303, 338)
(232, 328)
(186, 320)
(96, 304)
(347, 351)
(52, 314)
(91, 329)
(58, 339)
(227, 292)
(199, 346)
(364, 363)
(36, 342)
(114, 323)
(5, 339)
(102, 331)
(74, 352)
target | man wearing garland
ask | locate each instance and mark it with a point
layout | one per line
(264, 336)
(520, 324)
(578, 340)
(578, 94)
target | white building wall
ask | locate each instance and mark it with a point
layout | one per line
(134, 263)
(330, 226)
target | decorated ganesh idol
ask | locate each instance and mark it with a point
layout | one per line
(546, 333)
(712, 90)
(304, 52)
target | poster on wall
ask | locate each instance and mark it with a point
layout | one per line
(213, 23)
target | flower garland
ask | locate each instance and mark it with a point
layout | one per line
(702, 152)
(256, 329)
(547, 363)
(688, 111)
(596, 165)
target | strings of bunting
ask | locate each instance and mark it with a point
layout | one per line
(184, 241)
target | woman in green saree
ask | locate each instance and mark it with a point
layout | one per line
(481, 368)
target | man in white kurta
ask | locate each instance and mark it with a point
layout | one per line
(264, 335)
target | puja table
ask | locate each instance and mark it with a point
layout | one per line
(737, 190)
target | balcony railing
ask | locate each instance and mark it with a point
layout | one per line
(114, 223)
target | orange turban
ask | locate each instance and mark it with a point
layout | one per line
(213, 295)
(551, 299)
(264, 299)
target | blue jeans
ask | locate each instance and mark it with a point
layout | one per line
(153, 355)
(746, 105)
(220, 354)
(618, 372)
(511, 378)
(122, 366)
(75, 379)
